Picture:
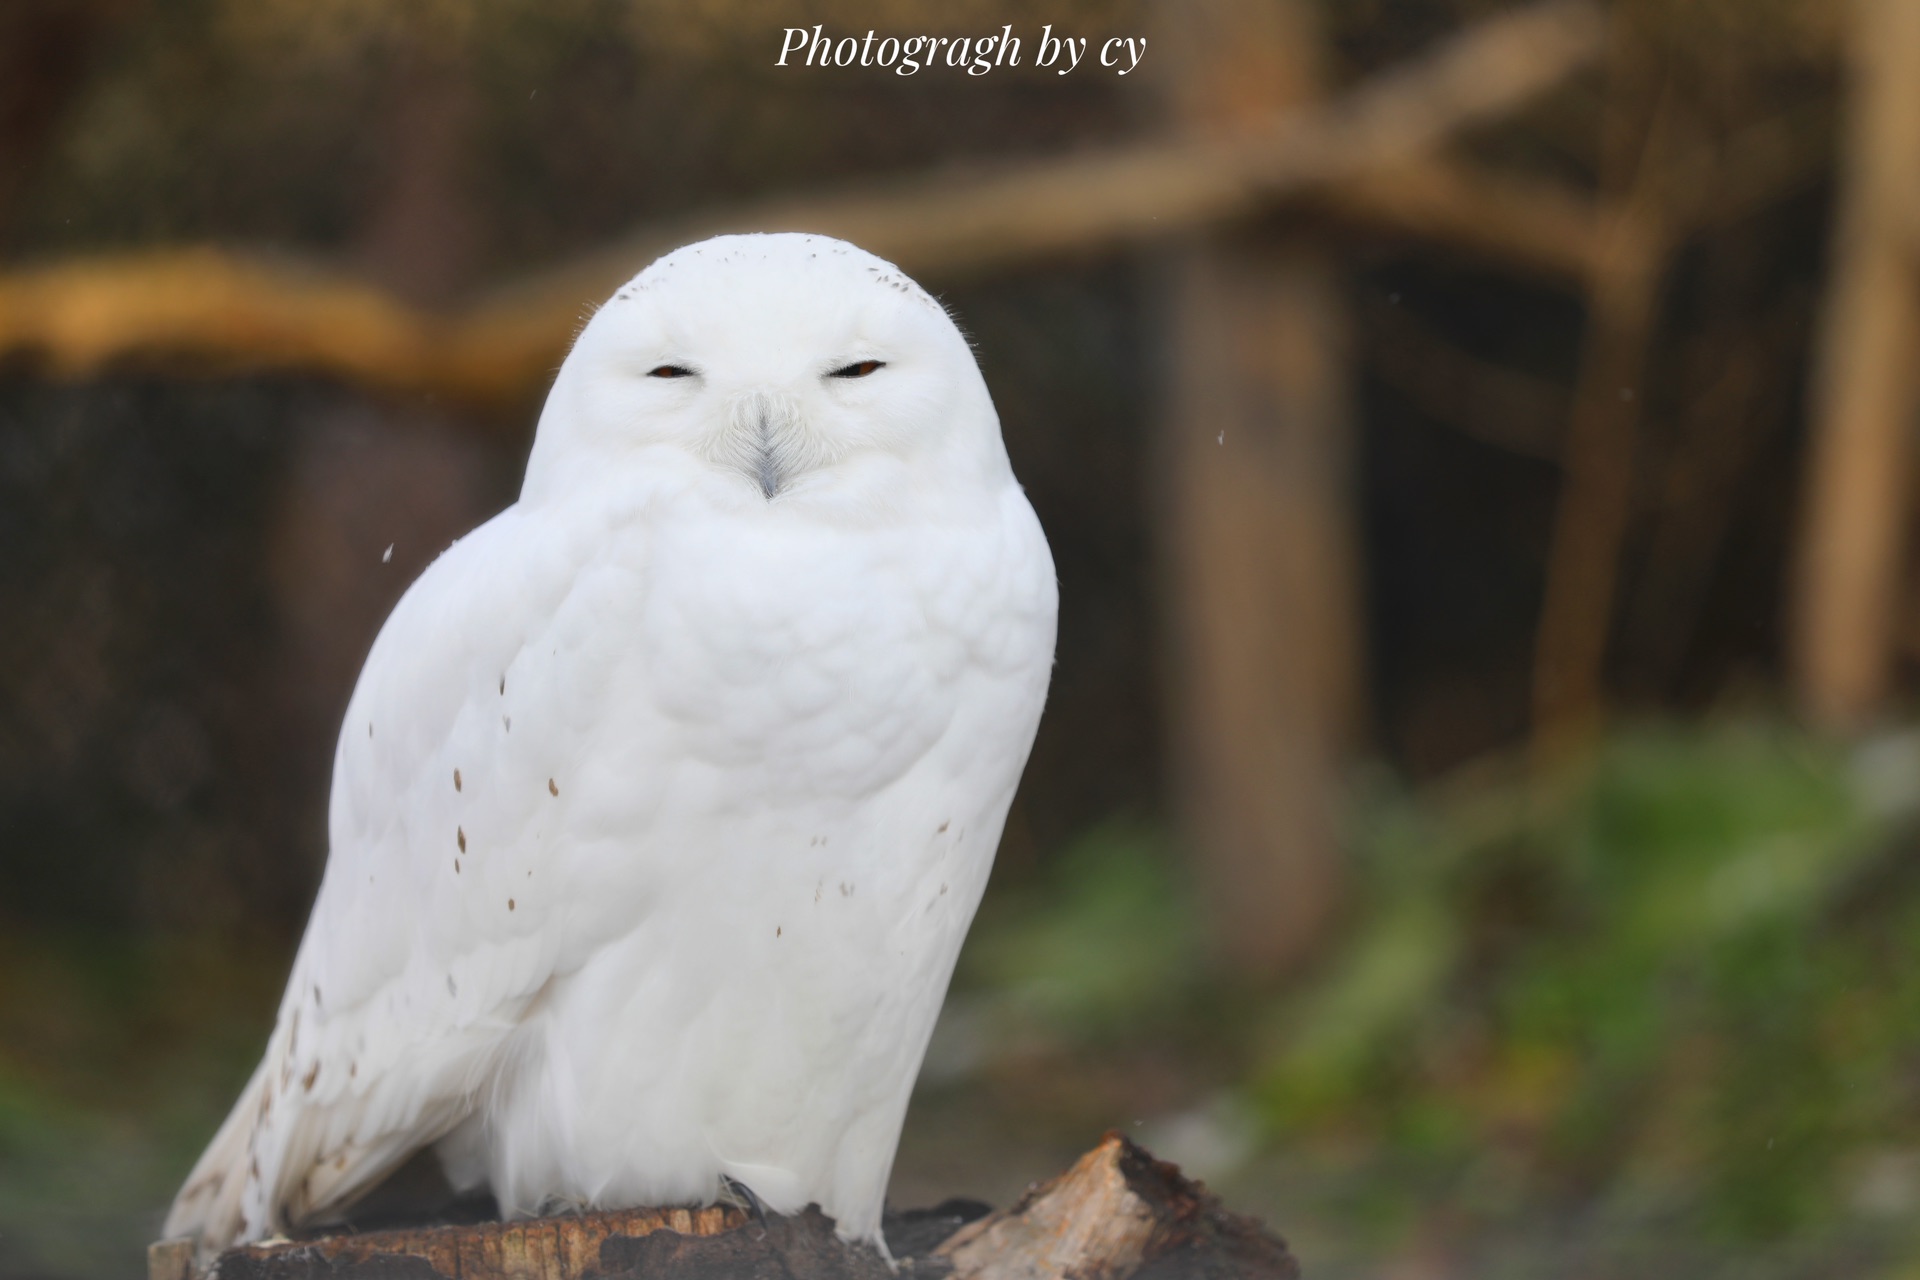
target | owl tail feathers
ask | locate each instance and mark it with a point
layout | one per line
(210, 1206)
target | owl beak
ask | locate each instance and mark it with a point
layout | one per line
(767, 472)
(766, 466)
(761, 424)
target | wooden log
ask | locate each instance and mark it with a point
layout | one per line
(209, 311)
(564, 1248)
(1117, 1214)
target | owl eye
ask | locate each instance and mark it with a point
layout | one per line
(858, 370)
(670, 371)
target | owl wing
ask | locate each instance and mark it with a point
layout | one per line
(433, 934)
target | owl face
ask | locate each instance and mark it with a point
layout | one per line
(783, 363)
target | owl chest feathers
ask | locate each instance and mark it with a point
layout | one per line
(821, 658)
(817, 733)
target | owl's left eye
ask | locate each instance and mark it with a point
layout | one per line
(670, 371)
(860, 369)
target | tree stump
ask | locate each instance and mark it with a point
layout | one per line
(1117, 1214)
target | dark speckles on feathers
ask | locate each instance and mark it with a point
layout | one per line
(460, 837)
(506, 722)
(503, 685)
(456, 784)
(452, 988)
(777, 930)
(553, 788)
(510, 904)
(943, 826)
(313, 1073)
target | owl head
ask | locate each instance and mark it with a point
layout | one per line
(791, 367)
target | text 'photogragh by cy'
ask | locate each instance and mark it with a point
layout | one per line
(906, 55)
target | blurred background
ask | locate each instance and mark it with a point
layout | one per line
(1476, 823)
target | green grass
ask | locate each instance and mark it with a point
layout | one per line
(1670, 998)
(1690, 964)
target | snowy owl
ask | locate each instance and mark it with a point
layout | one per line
(666, 796)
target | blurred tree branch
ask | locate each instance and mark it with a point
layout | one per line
(1856, 502)
(1597, 455)
(1662, 183)
(1497, 406)
(1552, 231)
(1525, 222)
(221, 313)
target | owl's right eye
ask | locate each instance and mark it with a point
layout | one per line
(670, 371)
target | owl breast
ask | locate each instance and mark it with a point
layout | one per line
(830, 726)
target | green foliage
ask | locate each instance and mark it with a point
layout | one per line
(1690, 964)
(118, 1057)
(1107, 940)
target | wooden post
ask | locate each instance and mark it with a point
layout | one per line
(1257, 543)
(1855, 509)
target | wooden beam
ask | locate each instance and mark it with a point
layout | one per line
(222, 313)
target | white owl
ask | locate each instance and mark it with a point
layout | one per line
(665, 797)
